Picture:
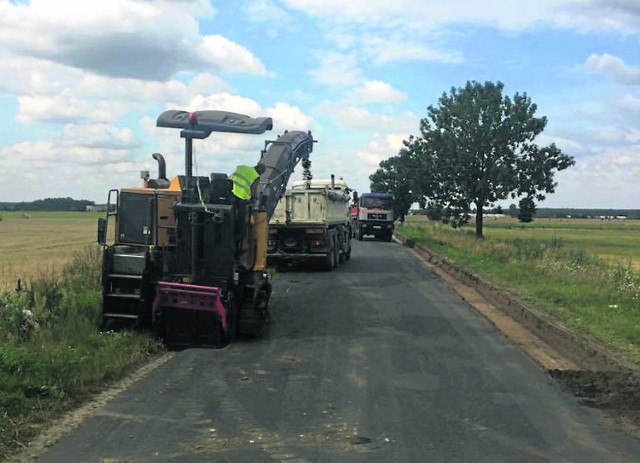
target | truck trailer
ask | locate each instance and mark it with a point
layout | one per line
(311, 224)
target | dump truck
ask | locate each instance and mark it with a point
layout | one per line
(311, 224)
(374, 214)
(188, 258)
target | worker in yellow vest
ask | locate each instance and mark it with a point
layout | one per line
(244, 179)
(245, 183)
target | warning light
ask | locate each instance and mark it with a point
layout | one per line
(193, 119)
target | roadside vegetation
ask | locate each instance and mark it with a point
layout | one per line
(52, 355)
(578, 284)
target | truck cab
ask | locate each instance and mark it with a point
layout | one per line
(374, 214)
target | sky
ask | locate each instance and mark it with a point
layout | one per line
(83, 82)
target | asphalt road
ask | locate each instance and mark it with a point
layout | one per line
(376, 362)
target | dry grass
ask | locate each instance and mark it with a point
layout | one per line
(42, 244)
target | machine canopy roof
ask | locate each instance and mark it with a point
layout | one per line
(200, 124)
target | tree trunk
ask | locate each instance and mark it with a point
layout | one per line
(479, 214)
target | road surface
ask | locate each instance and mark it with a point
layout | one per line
(378, 361)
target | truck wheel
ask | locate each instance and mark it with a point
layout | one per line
(359, 235)
(342, 253)
(336, 253)
(347, 255)
(388, 237)
(329, 261)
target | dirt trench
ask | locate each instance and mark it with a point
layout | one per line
(596, 374)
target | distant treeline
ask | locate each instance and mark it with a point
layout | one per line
(49, 204)
(587, 213)
(563, 213)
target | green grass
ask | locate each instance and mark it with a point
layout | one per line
(52, 356)
(614, 242)
(569, 279)
(568, 224)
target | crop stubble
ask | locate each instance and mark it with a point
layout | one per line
(41, 244)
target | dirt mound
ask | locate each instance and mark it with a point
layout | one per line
(615, 393)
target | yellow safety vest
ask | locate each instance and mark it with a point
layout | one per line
(243, 178)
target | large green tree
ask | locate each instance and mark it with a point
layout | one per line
(391, 177)
(476, 148)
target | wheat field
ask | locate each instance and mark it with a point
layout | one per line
(41, 243)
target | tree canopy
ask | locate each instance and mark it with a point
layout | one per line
(527, 210)
(477, 147)
(49, 204)
(391, 178)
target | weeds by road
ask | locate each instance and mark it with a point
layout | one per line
(583, 290)
(52, 356)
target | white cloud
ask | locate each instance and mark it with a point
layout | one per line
(52, 153)
(50, 92)
(287, 117)
(630, 102)
(337, 69)
(612, 174)
(341, 36)
(402, 47)
(376, 91)
(28, 76)
(66, 108)
(358, 118)
(615, 68)
(381, 146)
(616, 135)
(621, 16)
(266, 11)
(226, 55)
(97, 136)
(206, 83)
(565, 144)
(150, 40)
(225, 101)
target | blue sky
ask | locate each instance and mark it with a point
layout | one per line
(81, 84)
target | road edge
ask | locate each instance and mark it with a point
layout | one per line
(586, 352)
(73, 418)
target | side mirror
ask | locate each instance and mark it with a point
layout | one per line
(102, 231)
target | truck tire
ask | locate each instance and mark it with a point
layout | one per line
(336, 253)
(359, 234)
(342, 252)
(329, 261)
(388, 237)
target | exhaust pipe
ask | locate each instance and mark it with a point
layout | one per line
(162, 166)
(333, 182)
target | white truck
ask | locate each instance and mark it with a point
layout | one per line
(311, 223)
